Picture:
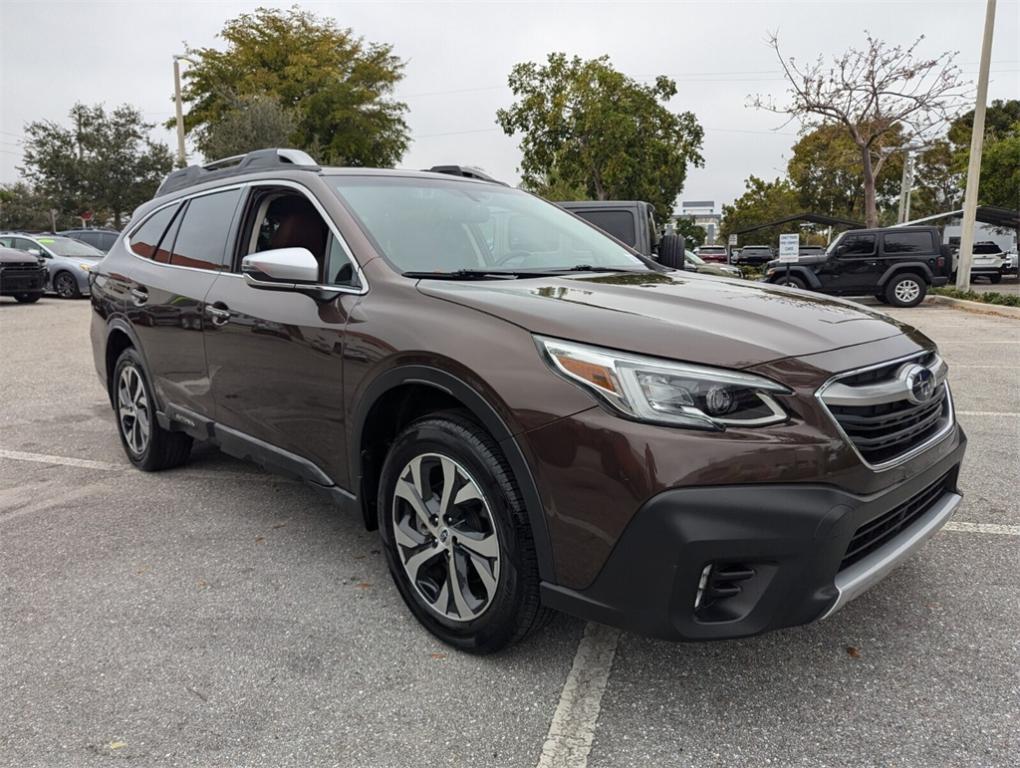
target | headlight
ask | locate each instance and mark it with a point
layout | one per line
(665, 392)
(84, 267)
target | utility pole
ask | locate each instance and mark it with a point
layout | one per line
(182, 158)
(906, 187)
(977, 139)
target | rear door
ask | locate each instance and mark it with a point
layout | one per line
(180, 250)
(275, 357)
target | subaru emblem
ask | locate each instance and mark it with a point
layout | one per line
(920, 383)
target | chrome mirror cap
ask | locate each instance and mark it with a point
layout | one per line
(281, 266)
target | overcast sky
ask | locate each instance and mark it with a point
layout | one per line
(459, 54)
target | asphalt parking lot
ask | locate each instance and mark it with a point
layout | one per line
(219, 616)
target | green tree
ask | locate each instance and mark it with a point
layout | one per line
(337, 86)
(105, 163)
(762, 201)
(22, 207)
(255, 123)
(587, 126)
(1000, 157)
(693, 234)
(938, 184)
(825, 169)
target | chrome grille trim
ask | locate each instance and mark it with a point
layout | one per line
(873, 394)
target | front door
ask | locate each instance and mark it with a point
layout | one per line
(854, 268)
(275, 357)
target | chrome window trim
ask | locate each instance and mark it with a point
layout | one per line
(244, 187)
(917, 449)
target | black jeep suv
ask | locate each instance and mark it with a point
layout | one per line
(895, 265)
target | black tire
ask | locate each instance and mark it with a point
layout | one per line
(996, 279)
(65, 286)
(880, 297)
(906, 289)
(27, 298)
(512, 610)
(671, 252)
(161, 449)
(793, 281)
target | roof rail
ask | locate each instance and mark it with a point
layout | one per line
(258, 160)
(466, 171)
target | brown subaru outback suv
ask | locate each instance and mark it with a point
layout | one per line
(532, 415)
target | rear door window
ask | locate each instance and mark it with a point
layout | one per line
(202, 240)
(619, 224)
(906, 242)
(145, 239)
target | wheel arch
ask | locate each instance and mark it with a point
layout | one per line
(907, 266)
(802, 272)
(119, 336)
(402, 394)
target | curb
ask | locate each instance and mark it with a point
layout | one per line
(978, 307)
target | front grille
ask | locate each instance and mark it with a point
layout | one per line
(883, 432)
(878, 413)
(20, 276)
(874, 533)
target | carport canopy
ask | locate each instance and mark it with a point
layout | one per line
(810, 218)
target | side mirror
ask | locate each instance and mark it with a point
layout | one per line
(35, 252)
(281, 269)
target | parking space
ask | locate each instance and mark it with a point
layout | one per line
(216, 615)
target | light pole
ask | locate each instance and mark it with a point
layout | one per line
(977, 138)
(182, 158)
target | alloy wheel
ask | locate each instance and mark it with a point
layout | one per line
(445, 537)
(133, 410)
(65, 286)
(907, 291)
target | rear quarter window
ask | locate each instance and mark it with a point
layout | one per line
(907, 242)
(619, 224)
(145, 239)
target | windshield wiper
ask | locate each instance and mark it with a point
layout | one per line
(472, 274)
(591, 268)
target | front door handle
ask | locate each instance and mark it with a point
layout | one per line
(218, 312)
(139, 296)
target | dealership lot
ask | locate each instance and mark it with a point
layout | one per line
(219, 616)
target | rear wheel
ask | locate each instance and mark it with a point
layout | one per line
(147, 445)
(996, 279)
(906, 290)
(27, 298)
(65, 286)
(456, 535)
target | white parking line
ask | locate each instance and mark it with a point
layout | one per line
(573, 725)
(66, 461)
(1011, 414)
(1001, 530)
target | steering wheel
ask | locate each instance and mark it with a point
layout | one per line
(522, 256)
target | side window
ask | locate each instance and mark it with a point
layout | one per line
(856, 246)
(201, 242)
(339, 269)
(166, 243)
(24, 244)
(907, 242)
(106, 241)
(7, 242)
(146, 237)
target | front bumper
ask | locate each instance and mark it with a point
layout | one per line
(793, 538)
(17, 281)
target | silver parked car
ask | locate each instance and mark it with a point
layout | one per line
(68, 261)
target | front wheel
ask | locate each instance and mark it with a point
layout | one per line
(906, 290)
(65, 286)
(792, 281)
(996, 279)
(456, 535)
(27, 298)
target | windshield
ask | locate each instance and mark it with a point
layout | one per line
(693, 257)
(66, 246)
(437, 225)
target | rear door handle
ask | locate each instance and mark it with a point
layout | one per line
(139, 296)
(218, 312)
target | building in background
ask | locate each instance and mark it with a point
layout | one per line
(702, 213)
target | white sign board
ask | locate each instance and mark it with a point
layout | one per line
(733, 240)
(789, 248)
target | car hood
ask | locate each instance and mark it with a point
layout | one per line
(683, 316)
(12, 256)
